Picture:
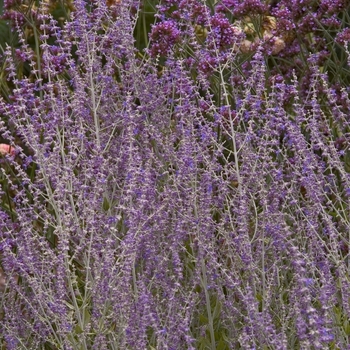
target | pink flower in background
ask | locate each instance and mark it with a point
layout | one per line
(7, 149)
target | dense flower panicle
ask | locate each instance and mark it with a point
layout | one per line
(221, 31)
(196, 11)
(343, 37)
(331, 7)
(164, 36)
(241, 8)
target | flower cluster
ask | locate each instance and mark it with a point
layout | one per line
(241, 8)
(343, 37)
(164, 36)
(221, 32)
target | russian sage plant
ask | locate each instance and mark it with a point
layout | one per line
(186, 188)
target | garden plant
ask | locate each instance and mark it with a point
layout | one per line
(175, 174)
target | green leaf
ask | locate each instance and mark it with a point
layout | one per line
(217, 310)
(221, 345)
(87, 317)
(204, 343)
(346, 326)
(203, 319)
(5, 33)
(105, 204)
(77, 329)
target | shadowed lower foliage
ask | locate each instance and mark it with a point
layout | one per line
(186, 188)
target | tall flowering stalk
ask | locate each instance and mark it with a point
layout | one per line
(189, 196)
